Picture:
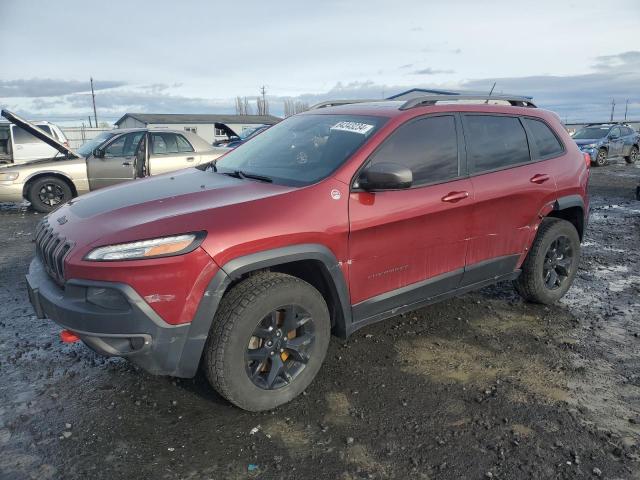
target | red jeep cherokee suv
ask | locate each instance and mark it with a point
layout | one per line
(328, 221)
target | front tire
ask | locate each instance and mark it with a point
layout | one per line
(48, 193)
(552, 264)
(267, 342)
(602, 158)
(633, 155)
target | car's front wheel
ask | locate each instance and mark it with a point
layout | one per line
(267, 341)
(602, 158)
(48, 193)
(552, 263)
(633, 155)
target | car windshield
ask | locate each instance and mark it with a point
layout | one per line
(89, 146)
(303, 149)
(591, 132)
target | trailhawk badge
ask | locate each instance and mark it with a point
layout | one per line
(335, 194)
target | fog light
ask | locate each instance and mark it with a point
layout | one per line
(107, 298)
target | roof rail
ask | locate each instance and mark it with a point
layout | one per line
(335, 103)
(515, 101)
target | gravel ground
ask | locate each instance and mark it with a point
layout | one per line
(483, 386)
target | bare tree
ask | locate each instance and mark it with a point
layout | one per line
(291, 107)
(242, 106)
(262, 102)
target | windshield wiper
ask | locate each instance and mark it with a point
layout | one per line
(253, 176)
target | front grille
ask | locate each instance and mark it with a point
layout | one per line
(52, 249)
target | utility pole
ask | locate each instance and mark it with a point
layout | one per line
(89, 117)
(613, 107)
(626, 108)
(93, 96)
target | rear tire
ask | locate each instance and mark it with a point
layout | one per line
(633, 155)
(552, 264)
(602, 158)
(250, 341)
(48, 193)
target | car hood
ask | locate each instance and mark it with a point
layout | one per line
(167, 204)
(586, 141)
(39, 134)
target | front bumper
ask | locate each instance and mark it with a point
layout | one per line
(131, 330)
(592, 151)
(11, 192)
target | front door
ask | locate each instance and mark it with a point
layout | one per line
(117, 164)
(616, 142)
(169, 152)
(408, 245)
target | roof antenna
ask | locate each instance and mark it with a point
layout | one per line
(490, 92)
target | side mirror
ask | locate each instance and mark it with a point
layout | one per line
(98, 153)
(385, 176)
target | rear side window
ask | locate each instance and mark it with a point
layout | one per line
(495, 142)
(163, 143)
(183, 144)
(428, 147)
(543, 139)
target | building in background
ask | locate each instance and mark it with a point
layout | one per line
(211, 127)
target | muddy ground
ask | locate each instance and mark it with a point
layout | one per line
(483, 386)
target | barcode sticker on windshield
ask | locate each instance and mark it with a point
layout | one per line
(354, 127)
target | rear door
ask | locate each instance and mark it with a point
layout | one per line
(408, 245)
(512, 183)
(27, 147)
(118, 162)
(616, 142)
(169, 152)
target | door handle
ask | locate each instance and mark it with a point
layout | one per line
(540, 178)
(190, 159)
(453, 197)
(126, 164)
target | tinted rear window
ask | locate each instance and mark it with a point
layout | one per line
(546, 143)
(428, 147)
(495, 142)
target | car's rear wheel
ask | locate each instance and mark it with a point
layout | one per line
(551, 265)
(633, 155)
(602, 158)
(48, 193)
(267, 342)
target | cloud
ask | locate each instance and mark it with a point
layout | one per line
(408, 65)
(430, 71)
(627, 61)
(48, 87)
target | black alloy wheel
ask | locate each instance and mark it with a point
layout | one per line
(279, 348)
(557, 263)
(51, 194)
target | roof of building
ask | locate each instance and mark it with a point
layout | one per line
(151, 118)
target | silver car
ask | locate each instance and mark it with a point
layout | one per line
(110, 158)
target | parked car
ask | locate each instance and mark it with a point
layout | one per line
(603, 141)
(243, 137)
(112, 157)
(18, 146)
(329, 221)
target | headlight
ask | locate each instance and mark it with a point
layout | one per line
(152, 248)
(8, 176)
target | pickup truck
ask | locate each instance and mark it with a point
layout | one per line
(17, 145)
(112, 157)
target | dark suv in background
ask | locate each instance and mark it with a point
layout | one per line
(603, 141)
(327, 222)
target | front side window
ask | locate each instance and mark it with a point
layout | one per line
(547, 144)
(302, 149)
(495, 142)
(428, 147)
(124, 146)
(90, 145)
(615, 132)
(164, 143)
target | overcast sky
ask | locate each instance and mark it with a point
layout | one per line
(196, 56)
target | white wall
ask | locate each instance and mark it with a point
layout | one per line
(204, 130)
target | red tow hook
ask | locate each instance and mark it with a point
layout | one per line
(67, 336)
